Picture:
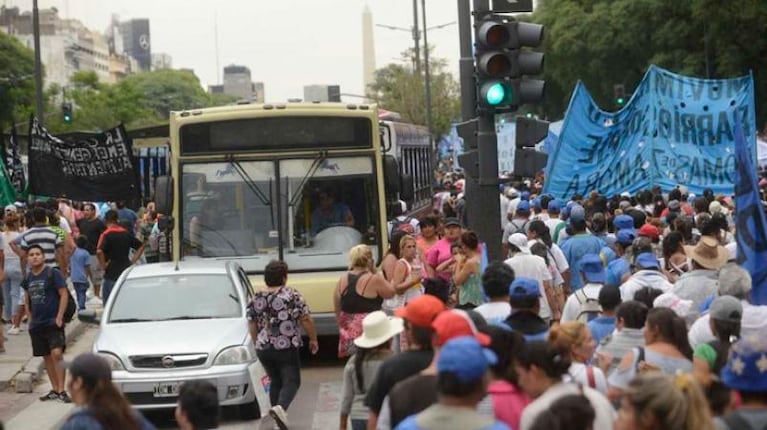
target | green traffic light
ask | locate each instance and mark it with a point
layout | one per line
(67, 119)
(621, 101)
(496, 94)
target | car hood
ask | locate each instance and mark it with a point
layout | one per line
(171, 337)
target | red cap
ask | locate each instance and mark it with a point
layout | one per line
(649, 230)
(456, 323)
(421, 311)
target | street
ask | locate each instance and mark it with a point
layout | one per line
(315, 407)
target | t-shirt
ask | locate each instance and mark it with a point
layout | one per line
(44, 237)
(92, 230)
(574, 249)
(277, 316)
(573, 303)
(707, 353)
(438, 254)
(439, 417)
(393, 370)
(116, 244)
(579, 373)
(44, 296)
(494, 312)
(411, 396)
(534, 267)
(605, 414)
(79, 260)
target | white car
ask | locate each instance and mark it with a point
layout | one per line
(164, 325)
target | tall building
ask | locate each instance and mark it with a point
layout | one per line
(368, 51)
(238, 83)
(135, 39)
(161, 60)
(66, 46)
(322, 93)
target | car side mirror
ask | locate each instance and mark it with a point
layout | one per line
(89, 316)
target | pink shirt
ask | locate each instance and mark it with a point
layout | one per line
(438, 254)
(508, 402)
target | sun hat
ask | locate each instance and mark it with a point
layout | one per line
(524, 287)
(708, 253)
(465, 358)
(746, 368)
(615, 271)
(592, 268)
(726, 308)
(10, 208)
(377, 328)
(647, 260)
(520, 241)
(456, 323)
(421, 311)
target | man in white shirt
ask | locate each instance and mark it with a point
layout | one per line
(534, 267)
(648, 275)
(593, 273)
(496, 281)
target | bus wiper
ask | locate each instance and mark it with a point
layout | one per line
(316, 163)
(262, 197)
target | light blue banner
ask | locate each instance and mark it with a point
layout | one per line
(674, 130)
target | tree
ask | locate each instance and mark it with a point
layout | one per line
(605, 42)
(399, 89)
(17, 79)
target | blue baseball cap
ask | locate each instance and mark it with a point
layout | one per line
(525, 195)
(465, 358)
(746, 369)
(625, 237)
(623, 222)
(523, 206)
(577, 213)
(592, 268)
(554, 206)
(537, 203)
(524, 287)
(647, 260)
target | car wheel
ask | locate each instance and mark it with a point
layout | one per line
(249, 411)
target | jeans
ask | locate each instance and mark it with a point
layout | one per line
(359, 424)
(283, 367)
(80, 289)
(11, 293)
(106, 288)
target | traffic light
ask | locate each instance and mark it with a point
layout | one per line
(66, 113)
(502, 61)
(619, 92)
(527, 161)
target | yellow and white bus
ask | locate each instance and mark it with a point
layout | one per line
(300, 182)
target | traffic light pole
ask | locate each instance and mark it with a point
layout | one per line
(486, 218)
(468, 92)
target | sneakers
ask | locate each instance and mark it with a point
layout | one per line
(52, 395)
(280, 417)
(64, 397)
(14, 331)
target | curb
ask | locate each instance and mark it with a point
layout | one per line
(33, 369)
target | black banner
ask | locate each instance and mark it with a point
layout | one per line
(14, 165)
(94, 167)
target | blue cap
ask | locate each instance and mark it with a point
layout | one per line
(625, 237)
(746, 369)
(577, 213)
(465, 358)
(592, 268)
(537, 203)
(647, 260)
(554, 206)
(615, 271)
(523, 206)
(623, 222)
(525, 195)
(524, 287)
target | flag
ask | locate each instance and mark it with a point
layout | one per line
(15, 166)
(751, 226)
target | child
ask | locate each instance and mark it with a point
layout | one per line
(80, 270)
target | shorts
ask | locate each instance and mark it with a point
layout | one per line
(98, 274)
(45, 339)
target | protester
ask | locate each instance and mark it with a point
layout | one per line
(275, 316)
(373, 347)
(647, 275)
(524, 298)
(630, 320)
(702, 281)
(147, 223)
(725, 315)
(657, 401)
(80, 270)
(530, 266)
(572, 412)
(675, 261)
(407, 276)
(357, 294)
(393, 255)
(555, 224)
(618, 270)
(604, 325)
(91, 226)
(575, 338)
(198, 407)
(441, 251)
(12, 298)
(681, 307)
(461, 383)
(113, 251)
(496, 281)
(583, 304)
(745, 372)
(517, 224)
(506, 398)
(101, 404)
(417, 316)
(44, 237)
(466, 275)
(541, 367)
(578, 244)
(428, 237)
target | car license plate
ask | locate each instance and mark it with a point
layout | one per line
(166, 389)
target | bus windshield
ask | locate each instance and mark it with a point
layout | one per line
(310, 217)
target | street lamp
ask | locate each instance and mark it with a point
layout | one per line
(38, 62)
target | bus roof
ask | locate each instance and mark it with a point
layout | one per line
(290, 106)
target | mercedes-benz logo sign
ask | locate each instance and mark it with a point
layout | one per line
(143, 41)
(168, 362)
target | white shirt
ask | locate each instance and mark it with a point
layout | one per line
(494, 312)
(573, 305)
(605, 414)
(644, 278)
(579, 374)
(534, 267)
(753, 323)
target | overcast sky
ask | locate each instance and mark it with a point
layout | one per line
(286, 43)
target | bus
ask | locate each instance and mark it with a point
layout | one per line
(412, 146)
(300, 182)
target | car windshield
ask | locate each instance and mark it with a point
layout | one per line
(176, 297)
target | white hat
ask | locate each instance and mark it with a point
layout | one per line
(520, 241)
(10, 208)
(378, 328)
(677, 304)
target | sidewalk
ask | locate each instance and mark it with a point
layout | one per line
(17, 365)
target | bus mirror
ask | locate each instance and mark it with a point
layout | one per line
(391, 174)
(407, 188)
(163, 194)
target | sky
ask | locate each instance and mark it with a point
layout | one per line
(286, 43)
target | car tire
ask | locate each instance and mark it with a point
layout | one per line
(249, 411)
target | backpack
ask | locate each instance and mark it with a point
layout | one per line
(588, 307)
(69, 312)
(402, 225)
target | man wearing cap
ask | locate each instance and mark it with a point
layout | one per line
(707, 257)
(418, 392)
(648, 274)
(554, 224)
(542, 207)
(593, 273)
(746, 372)
(580, 243)
(619, 269)
(418, 315)
(524, 298)
(534, 267)
(441, 251)
(518, 224)
(461, 383)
